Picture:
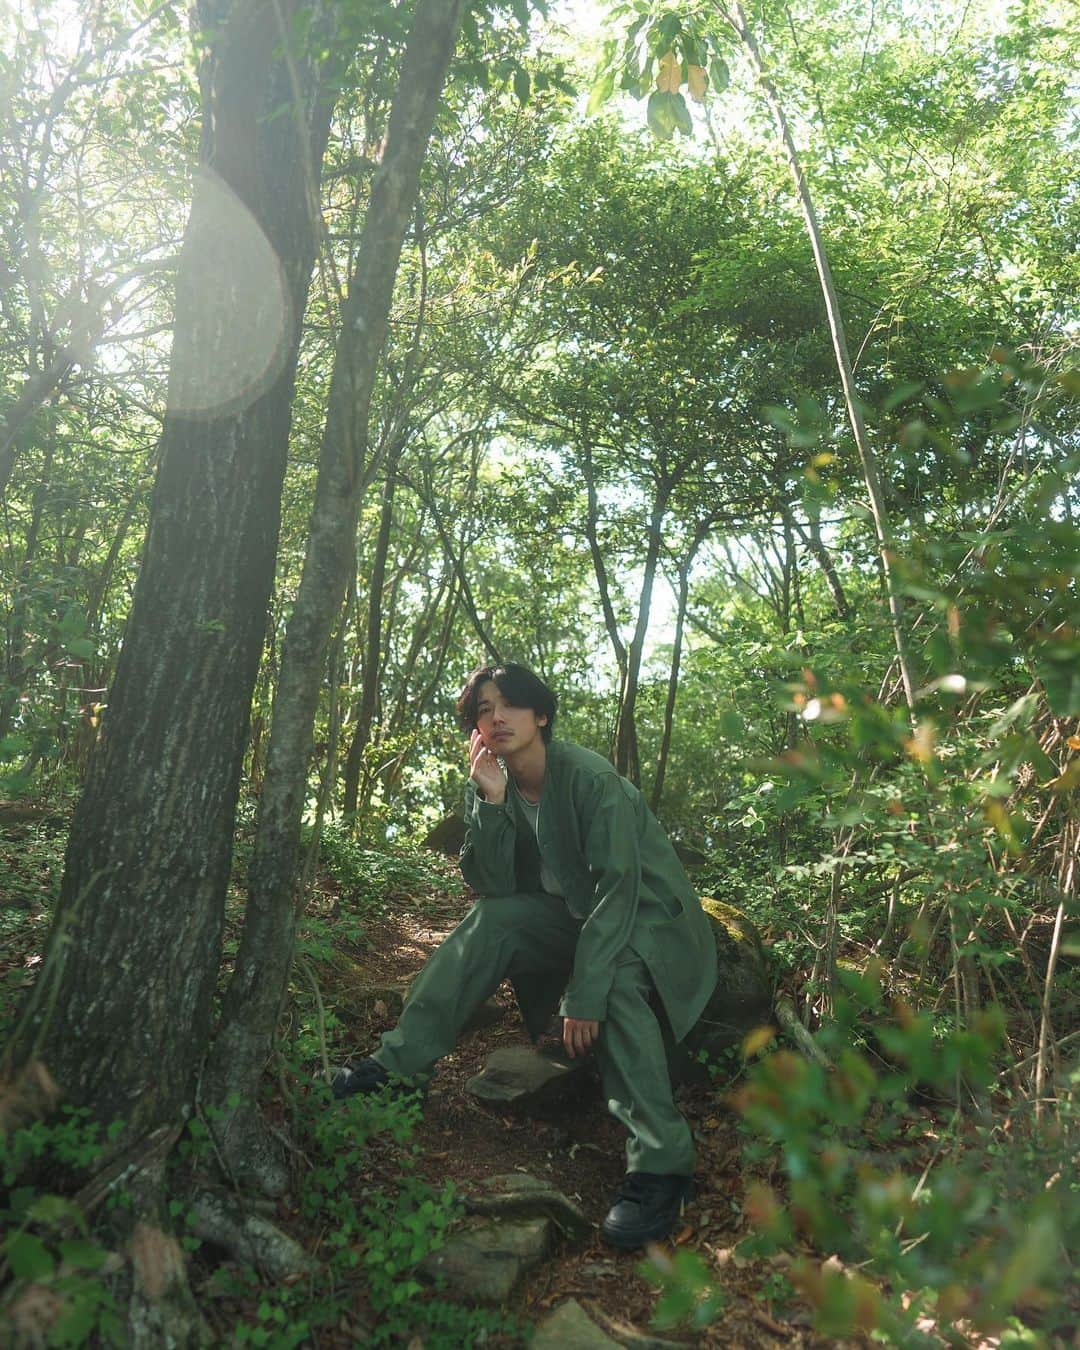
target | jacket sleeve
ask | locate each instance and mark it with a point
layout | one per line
(487, 856)
(613, 858)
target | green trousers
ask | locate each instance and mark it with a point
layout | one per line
(529, 937)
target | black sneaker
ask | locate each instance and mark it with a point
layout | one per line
(645, 1208)
(366, 1075)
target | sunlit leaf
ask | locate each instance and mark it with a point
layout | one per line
(719, 75)
(669, 76)
(601, 92)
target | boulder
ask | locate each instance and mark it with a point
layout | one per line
(741, 1001)
(483, 1261)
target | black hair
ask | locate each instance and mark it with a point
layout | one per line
(518, 685)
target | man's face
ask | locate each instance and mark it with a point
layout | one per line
(504, 728)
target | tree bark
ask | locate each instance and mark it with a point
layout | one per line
(121, 1011)
(255, 994)
(811, 537)
(676, 661)
(369, 688)
(626, 751)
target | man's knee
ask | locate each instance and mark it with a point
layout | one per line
(499, 913)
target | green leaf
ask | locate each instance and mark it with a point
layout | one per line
(82, 1253)
(602, 90)
(683, 121)
(719, 75)
(54, 1209)
(902, 393)
(522, 85)
(83, 648)
(28, 1257)
(661, 115)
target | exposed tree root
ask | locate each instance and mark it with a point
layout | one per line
(222, 1219)
(250, 1153)
(162, 1312)
(789, 1021)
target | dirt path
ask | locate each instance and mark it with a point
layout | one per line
(579, 1148)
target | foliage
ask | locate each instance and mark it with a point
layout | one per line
(54, 1293)
(381, 1234)
(603, 346)
(969, 1239)
(689, 1295)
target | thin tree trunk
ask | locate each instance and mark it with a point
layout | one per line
(626, 756)
(1070, 847)
(676, 661)
(867, 457)
(811, 537)
(603, 587)
(369, 688)
(255, 994)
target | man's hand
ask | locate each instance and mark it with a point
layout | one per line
(578, 1035)
(485, 771)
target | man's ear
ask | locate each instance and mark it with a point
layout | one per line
(541, 719)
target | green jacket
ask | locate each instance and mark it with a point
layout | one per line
(619, 874)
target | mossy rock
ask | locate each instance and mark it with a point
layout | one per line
(741, 1001)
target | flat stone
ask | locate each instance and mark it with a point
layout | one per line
(518, 1075)
(570, 1328)
(483, 1261)
(517, 1193)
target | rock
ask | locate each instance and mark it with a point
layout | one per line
(520, 1076)
(448, 836)
(517, 1193)
(688, 855)
(569, 1327)
(742, 999)
(483, 1261)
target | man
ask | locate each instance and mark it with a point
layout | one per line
(581, 894)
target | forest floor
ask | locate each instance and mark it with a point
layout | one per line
(367, 931)
(576, 1146)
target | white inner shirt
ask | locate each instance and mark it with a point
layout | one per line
(548, 880)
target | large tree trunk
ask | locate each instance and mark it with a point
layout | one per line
(255, 994)
(121, 1012)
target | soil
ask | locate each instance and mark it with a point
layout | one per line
(577, 1146)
